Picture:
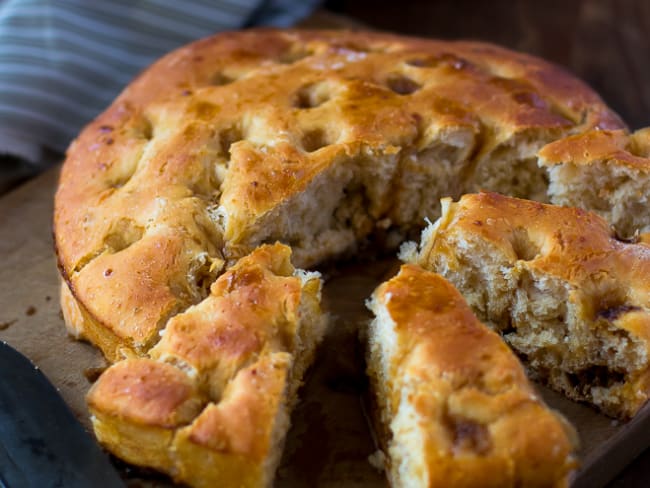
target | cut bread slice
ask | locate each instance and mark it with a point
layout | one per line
(607, 172)
(565, 293)
(210, 404)
(455, 406)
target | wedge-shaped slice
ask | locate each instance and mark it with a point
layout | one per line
(606, 171)
(566, 294)
(455, 406)
(211, 404)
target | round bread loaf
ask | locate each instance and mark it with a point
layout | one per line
(316, 139)
(321, 140)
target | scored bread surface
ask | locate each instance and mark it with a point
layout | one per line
(455, 405)
(566, 293)
(320, 140)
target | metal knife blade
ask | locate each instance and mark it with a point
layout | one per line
(41, 443)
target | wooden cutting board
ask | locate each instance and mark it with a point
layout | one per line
(330, 441)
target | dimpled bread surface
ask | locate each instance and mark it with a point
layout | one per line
(569, 296)
(210, 405)
(455, 405)
(320, 140)
(316, 139)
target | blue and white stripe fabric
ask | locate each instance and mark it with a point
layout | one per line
(63, 61)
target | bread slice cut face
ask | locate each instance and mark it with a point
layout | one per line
(568, 295)
(455, 406)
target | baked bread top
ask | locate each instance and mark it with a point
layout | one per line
(312, 138)
(456, 403)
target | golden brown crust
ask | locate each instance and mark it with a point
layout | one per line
(562, 266)
(211, 403)
(233, 443)
(241, 423)
(149, 180)
(136, 407)
(146, 392)
(82, 325)
(253, 309)
(615, 147)
(477, 420)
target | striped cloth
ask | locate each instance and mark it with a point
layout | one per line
(63, 61)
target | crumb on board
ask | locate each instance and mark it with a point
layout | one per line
(377, 459)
